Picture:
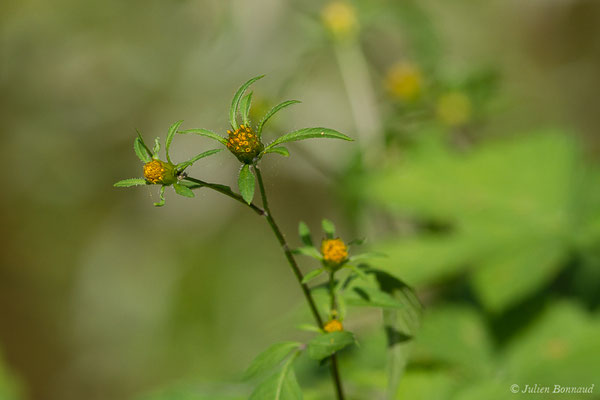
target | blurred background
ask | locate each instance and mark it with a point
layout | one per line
(475, 168)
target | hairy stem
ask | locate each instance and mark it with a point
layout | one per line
(292, 261)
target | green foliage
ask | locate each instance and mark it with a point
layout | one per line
(281, 386)
(235, 103)
(279, 150)
(141, 150)
(161, 195)
(328, 228)
(328, 343)
(272, 112)
(307, 133)
(246, 183)
(245, 108)
(183, 190)
(131, 182)
(271, 358)
(182, 166)
(206, 133)
(312, 275)
(304, 233)
(170, 135)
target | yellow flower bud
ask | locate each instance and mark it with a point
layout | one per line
(244, 144)
(404, 80)
(334, 251)
(160, 172)
(333, 326)
(340, 19)
(454, 109)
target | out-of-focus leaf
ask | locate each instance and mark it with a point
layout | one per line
(131, 182)
(426, 385)
(326, 344)
(245, 107)
(308, 133)
(270, 358)
(246, 183)
(183, 190)
(371, 297)
(308, 251)
(170, 135)
(272, 112)
(304, 233)
(312, 275)
(236, 101)
(281, 386)
(205, 132)
(367, 256)
(328, 228)
(279, 150)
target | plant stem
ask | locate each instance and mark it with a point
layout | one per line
(292, 261)
(334, 364)
(226, 191)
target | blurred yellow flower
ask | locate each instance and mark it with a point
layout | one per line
(454, 108)
(404, 80)
(340, 19)
(333, 326)
(334, 251)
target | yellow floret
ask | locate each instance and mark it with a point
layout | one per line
(333, 326)
(340, 19)
(334, 251)
(159, 172)
(404, 80)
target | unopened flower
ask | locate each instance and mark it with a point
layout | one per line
(244, 143)
(340, 19)
(333, 325)
(454, 109)
(404, 80)
(160, 172)
(334, 251)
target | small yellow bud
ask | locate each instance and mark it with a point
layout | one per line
(160, 172)
(454, 109)
(334, 251)
(333, 326)
(404, 80)
(244, 144)
(340, 19)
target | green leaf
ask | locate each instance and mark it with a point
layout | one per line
(156, 148)
(312, 275)
(245, 107)
(205, 132)
(325, 345)
(143, 153)
(236, 101)
(308, 133)
(281, 386)
(308, 251)
(161, 195)
(272, 112)
(328, 228)
(310, 328)
(131, 182)
(304, 233)
(367, 256)
(181, 166)
(279, 150)
(183, 190)
(270, 358)
(170, 135)
(358, 271)
(246, 183)
(372, 297)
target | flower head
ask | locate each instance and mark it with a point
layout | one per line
(454, 109)
(404, 80)
(333, 326)
(340, 19)
(244, 143)
(335, 252)
(160, 172)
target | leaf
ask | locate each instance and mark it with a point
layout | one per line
(270, 358)
(372, 297)
(143, 153)
(308, 251)
(272, 112)
(236, 101)
(312, 275)
(205, 132)
(281, 386)
(131, 182)
(156, 148)
(304, 233)
(161, 195)
(359, 272)
(183, 190)
(246, 183)
(181, 166)
(328, 228)
(245, 107)
(279, 150)
(308, 133)
(367, 256)
(170, 136)
(325, 345)
(310, 328)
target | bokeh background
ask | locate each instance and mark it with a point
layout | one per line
(475, 169)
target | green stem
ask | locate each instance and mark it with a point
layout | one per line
(334, 364)
(226, 191)
(292, 261)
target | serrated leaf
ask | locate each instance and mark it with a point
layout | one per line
(272, 112)
(246, 183)
(205, 132)
(131, 182)
(245, 107)
(183, 190)
(279, 150)
(308, 133)
(281, 386)
(181, 166)
(312, 275)
(328, 228)
(236, 101)
(304, 233)
(172, 130)
(161, 195)
(308, 251)
(327, 344)
(270, 358)
(143, 153)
